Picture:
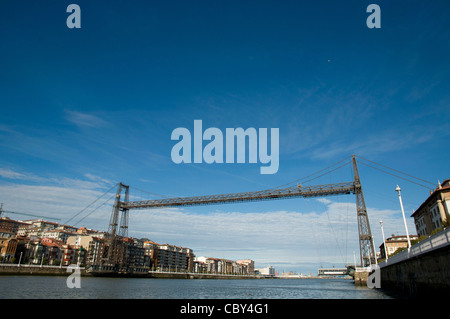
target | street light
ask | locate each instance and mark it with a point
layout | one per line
(373, 244)
(384, 240)
(398, 189)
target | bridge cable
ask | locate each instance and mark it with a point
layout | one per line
(300, 179)
(326, 173)
(115, 185)
(396, 170)
(427, 187)
(113, 195)
(153, 194)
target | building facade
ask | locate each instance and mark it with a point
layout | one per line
(8, 248)
(395, 242)
(268, 271)
(168, 257)
(247, 266)
(10, 225)
(434, 211)
(213, 265)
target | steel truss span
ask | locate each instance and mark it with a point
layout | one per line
(289, 192)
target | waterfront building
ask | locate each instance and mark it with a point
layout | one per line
(168, 257)
(21, 249)
(247, 266)
(38, 228)
(133, 253)
(51, 252)
(174, 258)
(93, 247)
(41, 242)
(79, 240)
(29, 231)
(151, 254)
(268, 271)
(69, 229)
(92, 232)
(10, 225)
(59, 234)
(212, 265)
(34, 251)
(45, 251)
(199, 266)
(223, 266)
(395, 242)
(6, 234)
(8, 248)
(73, 255)
(433, 213)
(95, 251)
(41, 224)
(205, 264)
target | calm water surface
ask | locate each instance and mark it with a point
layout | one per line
(29, 287)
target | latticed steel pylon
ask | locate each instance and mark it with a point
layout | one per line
(114, 255)
(366, 247)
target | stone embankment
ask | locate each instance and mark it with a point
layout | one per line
(34, 270)
(28, 270)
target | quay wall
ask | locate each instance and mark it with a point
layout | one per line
(199, 276)
(27, 270)
(424, 271)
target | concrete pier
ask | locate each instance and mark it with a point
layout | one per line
(360, 277)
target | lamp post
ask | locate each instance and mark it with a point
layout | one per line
(384, 240)
(373, 244)
(398, 189)
(20, 259)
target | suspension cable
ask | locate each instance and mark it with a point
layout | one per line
(327, 172)
(427, 187)
(153, 194)
(396, 170)
(95, 209)
(115, 185)
(300, 179)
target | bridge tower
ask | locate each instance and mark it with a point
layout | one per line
(114, 252)
(366, 248)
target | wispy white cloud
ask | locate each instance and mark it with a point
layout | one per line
(14, 175)
(52, 201)
(84, 119)
(388, 141)
(10, 174)
(98, 179)
(92, 181)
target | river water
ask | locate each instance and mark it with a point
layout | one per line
(42, 287)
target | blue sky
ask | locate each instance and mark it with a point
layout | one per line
(82, 109)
